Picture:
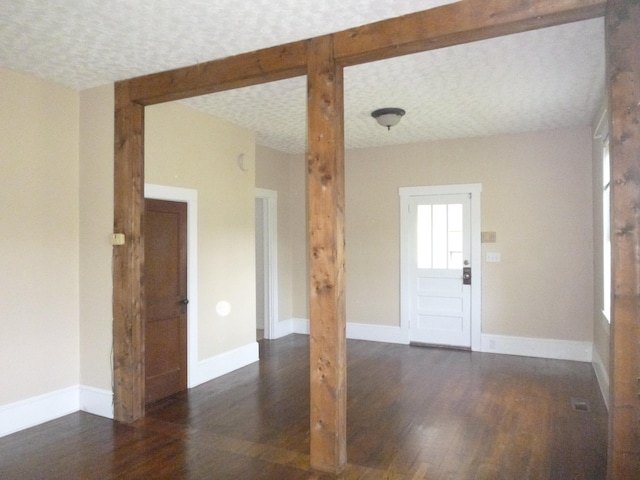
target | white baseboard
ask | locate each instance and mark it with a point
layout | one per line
(49, 406)
(502, 344)
(300, 325)
(356, 331)
(226, 362)
(96, 401)
(602, 375)
(377, 333)
(39, 409)
(282, 329)
(292, 325)
(537, 347)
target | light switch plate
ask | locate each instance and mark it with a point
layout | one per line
(488, 237)
(493, 256)
(117, 239)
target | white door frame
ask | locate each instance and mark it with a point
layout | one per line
(190, 197)
(473, 189)
(269, 199)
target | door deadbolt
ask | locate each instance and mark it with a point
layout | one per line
(466, 276)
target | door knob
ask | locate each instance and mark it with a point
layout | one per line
(184, 301)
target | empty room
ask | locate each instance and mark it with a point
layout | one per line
(289, 240)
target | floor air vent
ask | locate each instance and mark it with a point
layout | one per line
(580, 404)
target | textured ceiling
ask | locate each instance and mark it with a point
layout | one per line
(550, 78)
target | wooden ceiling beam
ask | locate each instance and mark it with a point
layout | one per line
(454, 24)
(262, 66)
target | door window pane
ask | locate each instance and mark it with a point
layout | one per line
(439, 236)
(454, 240)
(424, 236)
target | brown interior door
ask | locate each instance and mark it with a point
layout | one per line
(165, 277)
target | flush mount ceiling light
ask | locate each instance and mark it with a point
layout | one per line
(388, 117)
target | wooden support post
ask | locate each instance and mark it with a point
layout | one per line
(128, 259)
(325, 197)
(623, 69)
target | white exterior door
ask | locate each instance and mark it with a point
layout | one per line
(438, 268)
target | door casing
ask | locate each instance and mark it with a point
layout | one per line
(269, 199)
(474, 190)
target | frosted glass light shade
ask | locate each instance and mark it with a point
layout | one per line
(388, 117)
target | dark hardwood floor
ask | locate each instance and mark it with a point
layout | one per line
(413, 413)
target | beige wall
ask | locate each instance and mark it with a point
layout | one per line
(299, 239)
(272, 173)
(39, 241)
(57, 197)
(184, 148)
(537, 197)
(285, 174)
(96, 223)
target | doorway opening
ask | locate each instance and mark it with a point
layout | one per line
(266, 263)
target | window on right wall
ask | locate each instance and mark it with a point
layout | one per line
(606, 229)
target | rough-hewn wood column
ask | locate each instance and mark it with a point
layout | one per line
(325, 197)
(128, 259)
(623, 71)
